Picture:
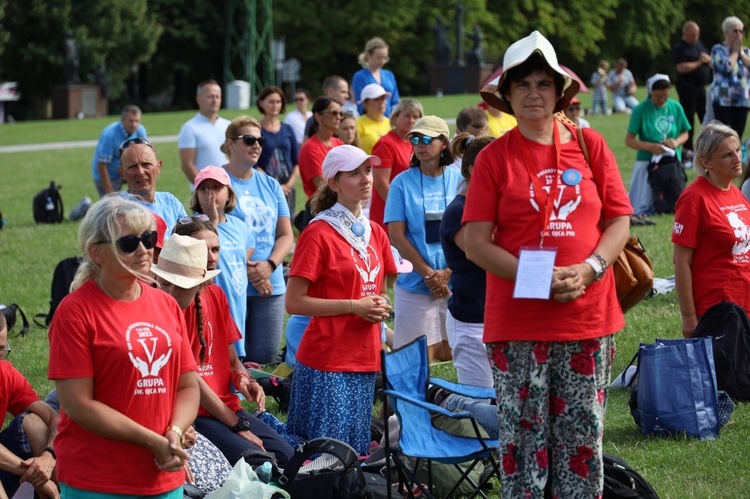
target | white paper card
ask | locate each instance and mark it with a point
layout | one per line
(534, 275)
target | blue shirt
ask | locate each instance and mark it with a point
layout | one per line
(363, 77)
(279, 154)
(165, 205)
(260, 203)
(468, 280)
(235, 240)
(410, 196)
(108, 148)
(731, 86)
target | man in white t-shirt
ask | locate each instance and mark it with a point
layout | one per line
(201, 137)
(297, 119)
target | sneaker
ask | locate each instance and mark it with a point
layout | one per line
(625, 378)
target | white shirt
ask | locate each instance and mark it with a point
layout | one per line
(297, 121)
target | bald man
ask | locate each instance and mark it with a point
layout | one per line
(693, 74)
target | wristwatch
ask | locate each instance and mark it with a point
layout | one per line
(599, 265)
(242, 425)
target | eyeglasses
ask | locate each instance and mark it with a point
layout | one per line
(250, 140)
(5, 352)
(425, 139)
(134, 141)
(191, 218)
(740, 31)
(128, 244)
(575, 108)
(335, 114)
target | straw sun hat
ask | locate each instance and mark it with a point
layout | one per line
(182, 262)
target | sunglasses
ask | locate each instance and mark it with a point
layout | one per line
(134, 141)
(335, 114)
(128, 244)
(5, 352)
(191, 218)
(424, 139)
(250, 140)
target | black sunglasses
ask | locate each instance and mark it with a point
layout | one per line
(128, 244)
(133, 141)
(250, 140)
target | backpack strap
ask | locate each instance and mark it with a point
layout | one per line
(24, 320)
(337, 448)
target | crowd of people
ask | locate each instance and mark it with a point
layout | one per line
(147, 352)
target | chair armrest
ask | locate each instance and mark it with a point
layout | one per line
(476, 392)
(427, 405)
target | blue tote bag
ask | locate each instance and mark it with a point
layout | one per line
(677, 391)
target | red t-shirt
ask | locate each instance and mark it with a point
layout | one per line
(219, 333)
(502, 192)
(311, 158)
(716, 224)
(341, 343)
(395, 153)
(135, 352)
(16, 394)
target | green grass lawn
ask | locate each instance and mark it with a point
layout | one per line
(28, 253)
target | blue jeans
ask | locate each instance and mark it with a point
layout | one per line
(263, 327)
(484, 413)
(14, 439)
(232, 445)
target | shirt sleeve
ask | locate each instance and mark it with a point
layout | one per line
(307, 260)
(609, 184)
(16, 389)
(386, 154)
(395, 211)
(687, 217)
(294, 147)
(104, 147)
(186, 139)
(484, 192)
(720, 59)
(358, 83)
(634, 126)
(70, 346)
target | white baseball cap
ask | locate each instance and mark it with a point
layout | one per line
(372, 91)
(345, 159)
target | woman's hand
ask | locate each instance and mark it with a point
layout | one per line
(372, 308)
(48, 490)
(191, 436)
(253, 392)
(656, 148)
(168, 452)
(189, 477)
(287, 188)
(257, 271)
(264, 287)
(671, 143)
(569, 283)
(437, 279)
(209, 207)
(688, 325)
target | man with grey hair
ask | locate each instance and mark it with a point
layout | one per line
(201, 137)
(104, 166)
(693, 74)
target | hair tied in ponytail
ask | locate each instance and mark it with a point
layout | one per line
(469, 140)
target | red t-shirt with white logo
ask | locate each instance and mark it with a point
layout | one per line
(394, 153)
(16, 394)
(311, 157)
(135, 353)
(716, 224)
(501, 192)
(219, 332)
(341, 343)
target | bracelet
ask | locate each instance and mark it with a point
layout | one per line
(351, 306)
(599, 259)
(240, 374)
(179, 432)
(51, 451)
(272, 264)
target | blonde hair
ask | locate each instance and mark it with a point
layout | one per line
(711, 136)
(233, 130)
(404, 106)
(324, 197)
(101, 225)
(371, 46)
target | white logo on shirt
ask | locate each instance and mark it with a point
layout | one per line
(237, 273)
(678, 227)
(258, 215)
(144, 340)
(741, 232)
(366, 272)
(558, 220)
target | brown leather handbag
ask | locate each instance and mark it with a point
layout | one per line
(634, 272)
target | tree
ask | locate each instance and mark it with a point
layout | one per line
(120, 33)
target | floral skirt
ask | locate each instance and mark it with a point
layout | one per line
(551, 399)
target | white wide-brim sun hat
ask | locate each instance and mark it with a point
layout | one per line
(517, 54)
(183, 261)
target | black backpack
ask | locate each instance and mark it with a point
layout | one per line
(728, 324)
(343, 479)
(10, 312)
(65, 271)
(667, 180)
(622, 481)
(48, 205)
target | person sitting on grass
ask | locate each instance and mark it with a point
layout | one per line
(26, 453)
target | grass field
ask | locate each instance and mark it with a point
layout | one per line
(28, 253)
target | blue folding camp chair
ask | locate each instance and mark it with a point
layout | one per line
(405, 381)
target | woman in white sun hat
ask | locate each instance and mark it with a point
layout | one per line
(546, 225)
(338, 276)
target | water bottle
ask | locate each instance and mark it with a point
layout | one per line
(264, 472)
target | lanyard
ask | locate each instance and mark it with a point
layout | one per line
(545, 209)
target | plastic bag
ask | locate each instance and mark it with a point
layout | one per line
(243, 483)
